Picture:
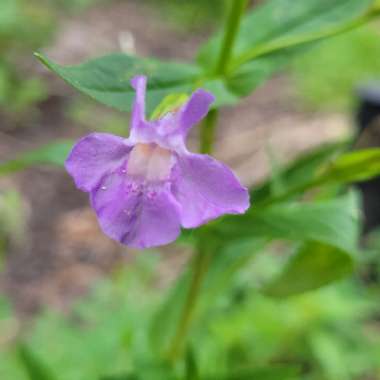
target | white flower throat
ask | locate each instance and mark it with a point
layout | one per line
(150, 162)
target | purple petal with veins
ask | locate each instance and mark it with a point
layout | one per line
(146, 187)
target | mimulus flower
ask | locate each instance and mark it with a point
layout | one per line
(145, 187)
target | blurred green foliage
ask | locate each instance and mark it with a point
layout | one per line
(272, 304)
(26, 25)
(12, 221)
(243, 329)
(328, 334)
(70, 6)
(327, 76)
(53, 154)
(190, 15)
(87, 114)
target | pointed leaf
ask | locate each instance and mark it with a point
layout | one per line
(354, 166)
(107, 79)
(333, 222)
(313, 266)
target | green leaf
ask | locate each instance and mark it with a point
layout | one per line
(278, 29)
(328, 231)
(355, 166)
(313, 266)
(107, 79)
(221, 90)
(280, 24)
(346, 169)
(303, 169)
(248, 76)
(333, 222)
(33, 365)
(168, 104)
(52, 153)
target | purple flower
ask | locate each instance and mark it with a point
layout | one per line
(145, 187)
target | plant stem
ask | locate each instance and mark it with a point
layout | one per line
(200, 263)
(236, 11)
(202, 255)
(208, 132)
(232, 26)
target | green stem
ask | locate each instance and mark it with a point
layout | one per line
(231, 29)
(202, 257)
(200, 264)
(208, 132)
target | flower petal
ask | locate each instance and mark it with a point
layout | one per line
(195, 109)
(171, 130)
(132, 216)
(138, 110)
(206, 189)
(93, 156)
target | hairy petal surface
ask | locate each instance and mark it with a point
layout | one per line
(133, 215)
(206, 189)
(93, 156)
